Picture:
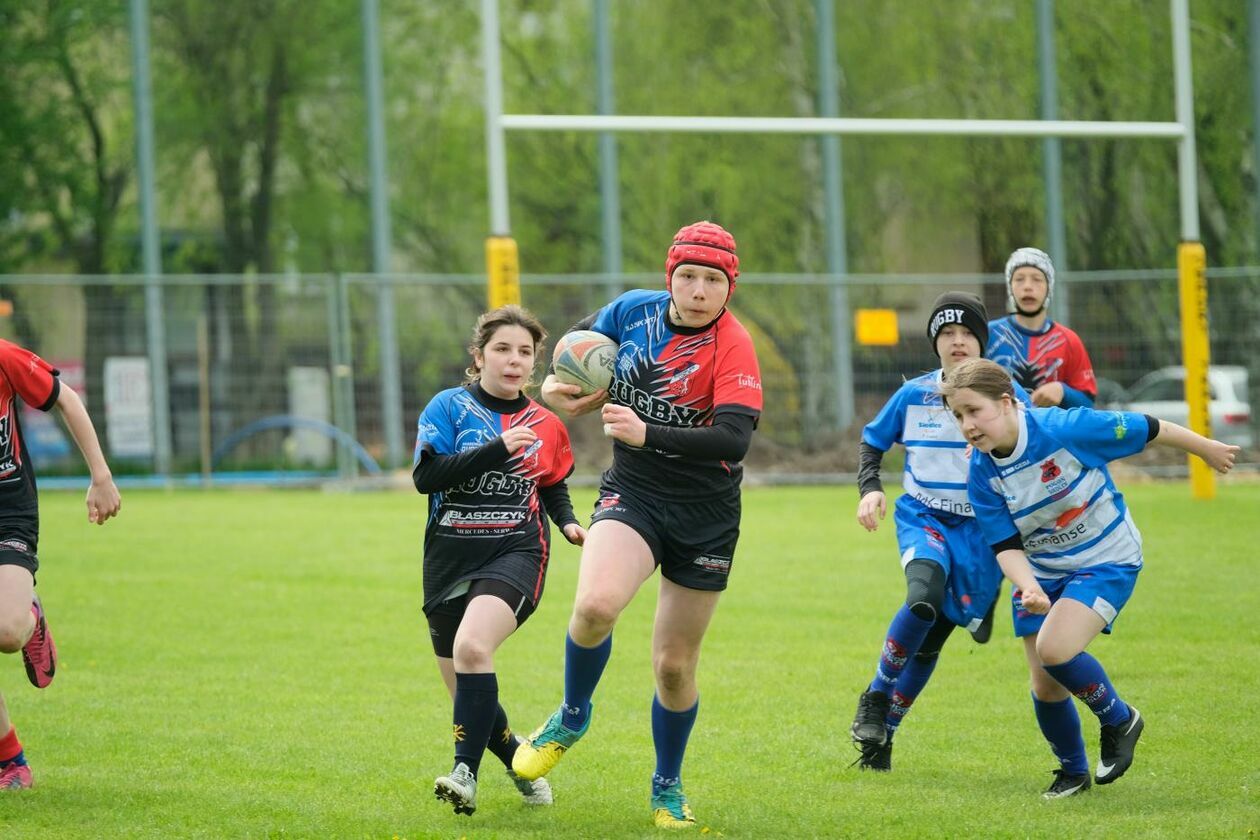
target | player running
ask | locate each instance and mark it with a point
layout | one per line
(682, 407)
(951, 574)
(1062, 533)
(1045, 357)
(494, 464)
(23, 625)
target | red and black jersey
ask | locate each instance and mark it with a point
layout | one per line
(679, 377)
(25, 376)
(487, 509)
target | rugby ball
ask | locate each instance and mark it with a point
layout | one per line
(585, 358)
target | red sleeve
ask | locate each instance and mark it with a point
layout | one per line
(561, 452)
(33, 379)
(1080, 370)
(737, 376)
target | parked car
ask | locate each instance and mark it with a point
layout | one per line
(1162, 393)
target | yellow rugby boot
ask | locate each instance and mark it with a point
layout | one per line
(670, 809)
(536, 757)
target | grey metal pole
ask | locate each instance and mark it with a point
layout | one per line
(1253, 41)
(1052, 155)
(342, 361)
(609, 178)
(154, 323)
(1187, 165)
(833, 203)
(391, 393)
(496, 151)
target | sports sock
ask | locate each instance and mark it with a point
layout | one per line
(503, 742)
(905, 635)
(476, 704)
(583, 667)
(1083, 675)
(11, 749)
(670, 731)
(912, 680)
(1062, 728)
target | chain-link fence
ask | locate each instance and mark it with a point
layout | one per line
(280, 377)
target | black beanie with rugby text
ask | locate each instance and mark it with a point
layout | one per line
(959, 308)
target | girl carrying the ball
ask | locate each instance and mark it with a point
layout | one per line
(951, 574)
(493, 463)
(683, 403)
(1062, 533)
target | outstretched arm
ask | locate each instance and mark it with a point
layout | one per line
(103, 500)
(1219, 456)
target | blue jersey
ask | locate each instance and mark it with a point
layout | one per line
(492, 525)
(935, 474)
(677, 376)
(1055, 493)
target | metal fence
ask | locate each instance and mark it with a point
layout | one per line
(278, 377)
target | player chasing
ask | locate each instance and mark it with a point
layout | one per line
(682, 408)
(23, 625)
(493, 463)
(1044, 356)
(1062, 533)
(951, 574)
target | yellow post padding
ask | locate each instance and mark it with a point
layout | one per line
(1192, 290)
(503, 271)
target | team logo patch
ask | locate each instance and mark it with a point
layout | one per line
(1122, 426)
(15, 545)
(719, 565)
(894, 653)
(1050, 471)
(1091, 693)
(606, 502)
(900, 704)
(680, 383)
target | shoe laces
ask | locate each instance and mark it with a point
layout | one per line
(1107, 738)
(555, 730)
(871, 710)
(671, 799)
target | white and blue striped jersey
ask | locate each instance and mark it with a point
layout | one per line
(1055, 493)
(936, 470)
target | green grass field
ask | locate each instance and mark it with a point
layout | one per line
(255, 664)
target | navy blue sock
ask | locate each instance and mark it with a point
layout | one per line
(905, 636)
(670, 731)
(1083, 675)
(912, 680)
(476, 704)
(1062, 728)
(582, 669)
(503, 742)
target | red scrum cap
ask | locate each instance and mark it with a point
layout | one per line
(703, 243)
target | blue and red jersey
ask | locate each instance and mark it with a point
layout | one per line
(25, 376)
(1053, 354)
(496, 513)
(680, 377)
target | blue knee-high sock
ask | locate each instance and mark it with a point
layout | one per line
(1083, 675)
(582, 669)
(670, 731)
(1062, 728)
(905, 635)
(912, 680)
(476, 705)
